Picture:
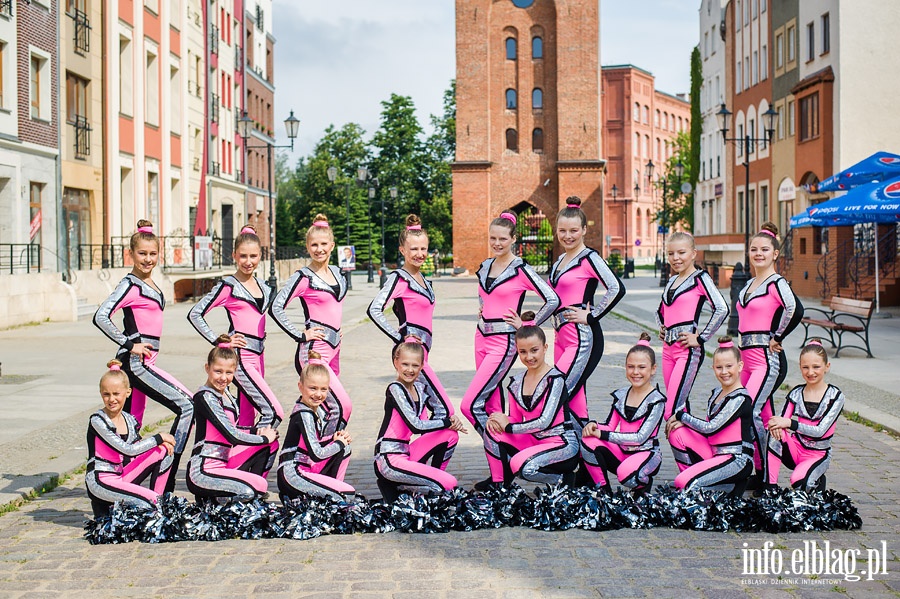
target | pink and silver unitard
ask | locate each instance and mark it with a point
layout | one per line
(322, 308)
(578, 348)
(142, 307)
(495, 344)
(118, 464)
(806, 448)
(311, 461)
(772, 311)
(247, 316)
(628, 443)
(539, 443)
(414, 309)
(716, 452)
(679, 312)
(416, 465)
(227, 461)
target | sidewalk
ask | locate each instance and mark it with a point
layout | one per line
(871, 385)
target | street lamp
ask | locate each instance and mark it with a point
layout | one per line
(664, 263)
(291, 124)
(394, 193)
(371, 270)
(362, 174)
(741, 273)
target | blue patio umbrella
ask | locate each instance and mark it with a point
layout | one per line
(880, 166)
(877, 202)
(805, 220)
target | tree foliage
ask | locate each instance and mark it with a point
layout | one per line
(696, 130)
(678, 206)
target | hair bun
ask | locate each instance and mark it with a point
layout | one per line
(645, 336)
(320, 217)
(114, 363)
(770, 227)
(313, 355)
(412, 220)
(573, 202)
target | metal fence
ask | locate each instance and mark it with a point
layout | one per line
(20, 258)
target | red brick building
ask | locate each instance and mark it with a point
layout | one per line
(528, 116)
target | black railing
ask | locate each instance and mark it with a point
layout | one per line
(260, 21)
(238, 59)
(239, 175)
(177, 253)
(82, 32)
(215, 169)
(82, 137)
(20, 257)
(786, 257)
(290, 252)
(90, 256)
(214, 108)
(213, 40)
(6, 7)
(861, 267)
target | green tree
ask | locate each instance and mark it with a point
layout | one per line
(693, 160)
(287, 195)
(679, 207)
(440, 151)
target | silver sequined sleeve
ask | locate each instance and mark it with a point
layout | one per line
(793, 310)
(719, 307)
(229, 430)
(643, 434)
(279, 304)
(197, 314)
(376, 308)
(414, 421)
(728, 413)
(317, 451)
(112, 438)
(831, 415)
(553, 396)
(542, 288)
(615, 291)
(103, 316)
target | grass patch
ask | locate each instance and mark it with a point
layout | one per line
(855, 417)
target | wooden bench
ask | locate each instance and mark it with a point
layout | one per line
(845, 316)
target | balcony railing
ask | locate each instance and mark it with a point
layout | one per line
(82, 137)
(20, 257)
(215, 169)
(239, 175)
(176, 254)
(260, 20)
(82, 32)
(214, 40)
(238, 59)
(194, 88)
(214, 108)
(6, 7)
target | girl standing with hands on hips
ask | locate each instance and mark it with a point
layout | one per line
(412, 407)
(678, 317)
(626, 443)
(316, 449)
(227, 461)
(246, 300)
(118, 459)
(768, 311)
(801, 437)
(413, 298)
(574, 277)
(715, 452)
(503, 282)
(535, 438)
(142, 303)
(321, 289)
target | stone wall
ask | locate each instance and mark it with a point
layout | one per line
(34, 298)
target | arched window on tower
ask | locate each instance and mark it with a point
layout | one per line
(537, 99)
(511, 48)
(511, 103)
(512, 140)
(537, 141)
(537, 47)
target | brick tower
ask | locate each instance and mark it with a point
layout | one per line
(528, 115)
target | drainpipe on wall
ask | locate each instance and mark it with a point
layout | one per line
(62, 239)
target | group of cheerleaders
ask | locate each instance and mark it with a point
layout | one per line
(537, 428)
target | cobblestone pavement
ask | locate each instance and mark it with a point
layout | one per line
(42, 552)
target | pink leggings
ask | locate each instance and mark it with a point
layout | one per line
(577, 351)
(808, 465)
(680, 367)
(321, 479)
(701, 468)
(147, 380)
(241, 476)
(106, 488)
(432, 377)
(763, 373)
(254, 393)
(533, 459)
(412, 473)
(331, 358)
(634, 470)
(494, 356)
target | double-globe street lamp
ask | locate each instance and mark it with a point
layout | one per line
(741, 273)
(362, 174)
(292, 125)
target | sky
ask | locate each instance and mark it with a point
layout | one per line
(337, 60)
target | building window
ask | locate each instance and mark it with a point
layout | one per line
(740, 135)
(780, 124)
(826, 33)
(779, 51)
(153, 197)
(511, 99)
(646, 115)
(537, 141)
(809, 117)
(739, 76)
(665, 121)
(38, 84)
(76, 97)
(762, 6)
(34, 204)
(791, 44)
(637, 144)
(537, 99)
(3, 54)
(764, 203)
(746, 73)
(637, 112)
(791, 118)
(754, 7)
(656, 120)
(512, 140)
(537, 47)
(151, 116)
(175, 99)
(810, 42)
(511, 48)
(737, 15)
(740, 223)
(764, 63)
(78, 9)
(755, 68)
(126, 90)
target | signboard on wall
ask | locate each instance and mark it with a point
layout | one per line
(35, 225)
(787, 191)
(203, 252)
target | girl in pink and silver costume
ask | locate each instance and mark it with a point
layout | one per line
(626, 443)
(316, 450)
(502, 283)
(532, 429)
(574, 277)
(118, 459)
(227, 461)
(678, 317)
(716, 452)
(768, 311)
(321, 289)
(142, 305)
(246, 300)
(413, 298)
(412, 407)
(801, 437)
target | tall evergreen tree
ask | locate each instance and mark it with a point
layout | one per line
(693, 160)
